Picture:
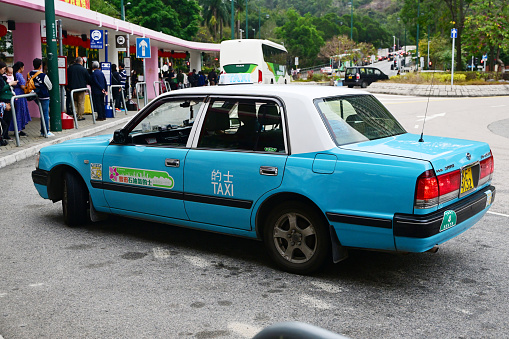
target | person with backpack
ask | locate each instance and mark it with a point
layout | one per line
(42, 85)
(21, 104)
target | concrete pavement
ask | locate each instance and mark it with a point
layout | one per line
(33, 142)
(440, 90)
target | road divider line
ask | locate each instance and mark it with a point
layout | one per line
(500, 214)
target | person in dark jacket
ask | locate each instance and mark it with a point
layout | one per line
(116, 79)
(212, 78)
(99, 87)
(6, 94)
(77, 78)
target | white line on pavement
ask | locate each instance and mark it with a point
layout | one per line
(500, 214)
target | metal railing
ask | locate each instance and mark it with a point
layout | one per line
(74, 106)
(156, 93)
(14, 120)
(112, 99)
(145, 99)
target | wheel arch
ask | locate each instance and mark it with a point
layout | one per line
(273, 201)
(56, 180)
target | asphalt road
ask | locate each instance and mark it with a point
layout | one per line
(124, 278)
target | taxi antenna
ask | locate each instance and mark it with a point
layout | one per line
(427, 104)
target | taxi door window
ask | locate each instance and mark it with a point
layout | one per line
(168, 124)
(251, 125)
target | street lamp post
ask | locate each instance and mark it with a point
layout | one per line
(417, 40)
(233, 23)
(254, 33)
(351, 19)
(240, 33)
(394, 43)
(247, 29)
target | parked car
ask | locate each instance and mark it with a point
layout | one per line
(363, 76)
(327, 70)
(309, 170)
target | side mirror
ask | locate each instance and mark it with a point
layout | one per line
(120, 136)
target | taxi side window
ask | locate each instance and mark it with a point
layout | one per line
(168, 124)
(251, 125)
(369, 71)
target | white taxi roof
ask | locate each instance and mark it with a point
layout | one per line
(306, 129)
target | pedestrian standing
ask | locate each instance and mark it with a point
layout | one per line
(42, 87)
(185, 82)
(78, 78)
(212, 77)
(6, 93)
(123, 78)
(99, 87)
(21, 104)
(116, 91)
(180, 79)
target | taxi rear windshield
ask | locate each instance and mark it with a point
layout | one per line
(357, 118)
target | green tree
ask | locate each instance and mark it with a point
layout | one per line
(189, 18)
(301, 38)
(215, 13)
(486, 29)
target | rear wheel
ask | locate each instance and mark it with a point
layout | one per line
(74, 200)
(297, 238)
(364, 84)
(350, 86)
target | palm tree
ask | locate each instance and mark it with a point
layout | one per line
(215, 12)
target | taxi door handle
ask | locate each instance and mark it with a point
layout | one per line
(268, 170)
(172, 162)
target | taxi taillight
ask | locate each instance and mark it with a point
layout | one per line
(432, 190)
(487, 167)
(357, 76)
(260, 76)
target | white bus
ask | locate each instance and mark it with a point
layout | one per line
(253, 61)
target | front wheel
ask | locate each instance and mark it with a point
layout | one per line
(74, 200)
(297, 238)
(364, 84)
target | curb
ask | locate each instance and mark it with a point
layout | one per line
(32, 150)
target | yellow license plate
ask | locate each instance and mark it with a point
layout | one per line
(467, 183)
(349, 77)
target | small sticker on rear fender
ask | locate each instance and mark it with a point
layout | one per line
(448, 221)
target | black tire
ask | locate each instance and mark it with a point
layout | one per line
(297, 238)
(74, 200)
(350, 86)
(364, 84)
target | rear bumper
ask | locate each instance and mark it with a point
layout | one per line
(419, 233)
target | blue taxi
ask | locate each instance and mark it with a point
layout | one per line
(309, 170)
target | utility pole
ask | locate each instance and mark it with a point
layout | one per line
(233, 23)
(417, 40)
(247, 29)
(51, 41)
(351, 20)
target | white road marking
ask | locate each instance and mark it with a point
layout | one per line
(197, 261)
(161, 253)
(244, 330)
(430, 117)
(327, 287)
(314, 302)
(500, 214)
(36, 285)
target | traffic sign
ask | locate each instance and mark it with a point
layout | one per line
(143, 48)
(106, 69)
(454, 33)
(96, 39)
(120, 42)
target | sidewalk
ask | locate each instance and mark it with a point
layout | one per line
(33, 142)
(439, 90)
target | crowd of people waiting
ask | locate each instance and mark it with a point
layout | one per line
(13, 82)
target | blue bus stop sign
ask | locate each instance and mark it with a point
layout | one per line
(143, 48)
(96, 39)
(454, 33)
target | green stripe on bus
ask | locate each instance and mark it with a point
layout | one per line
(240, 68)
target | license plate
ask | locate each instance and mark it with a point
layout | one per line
(349, 77)
(467, 183)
